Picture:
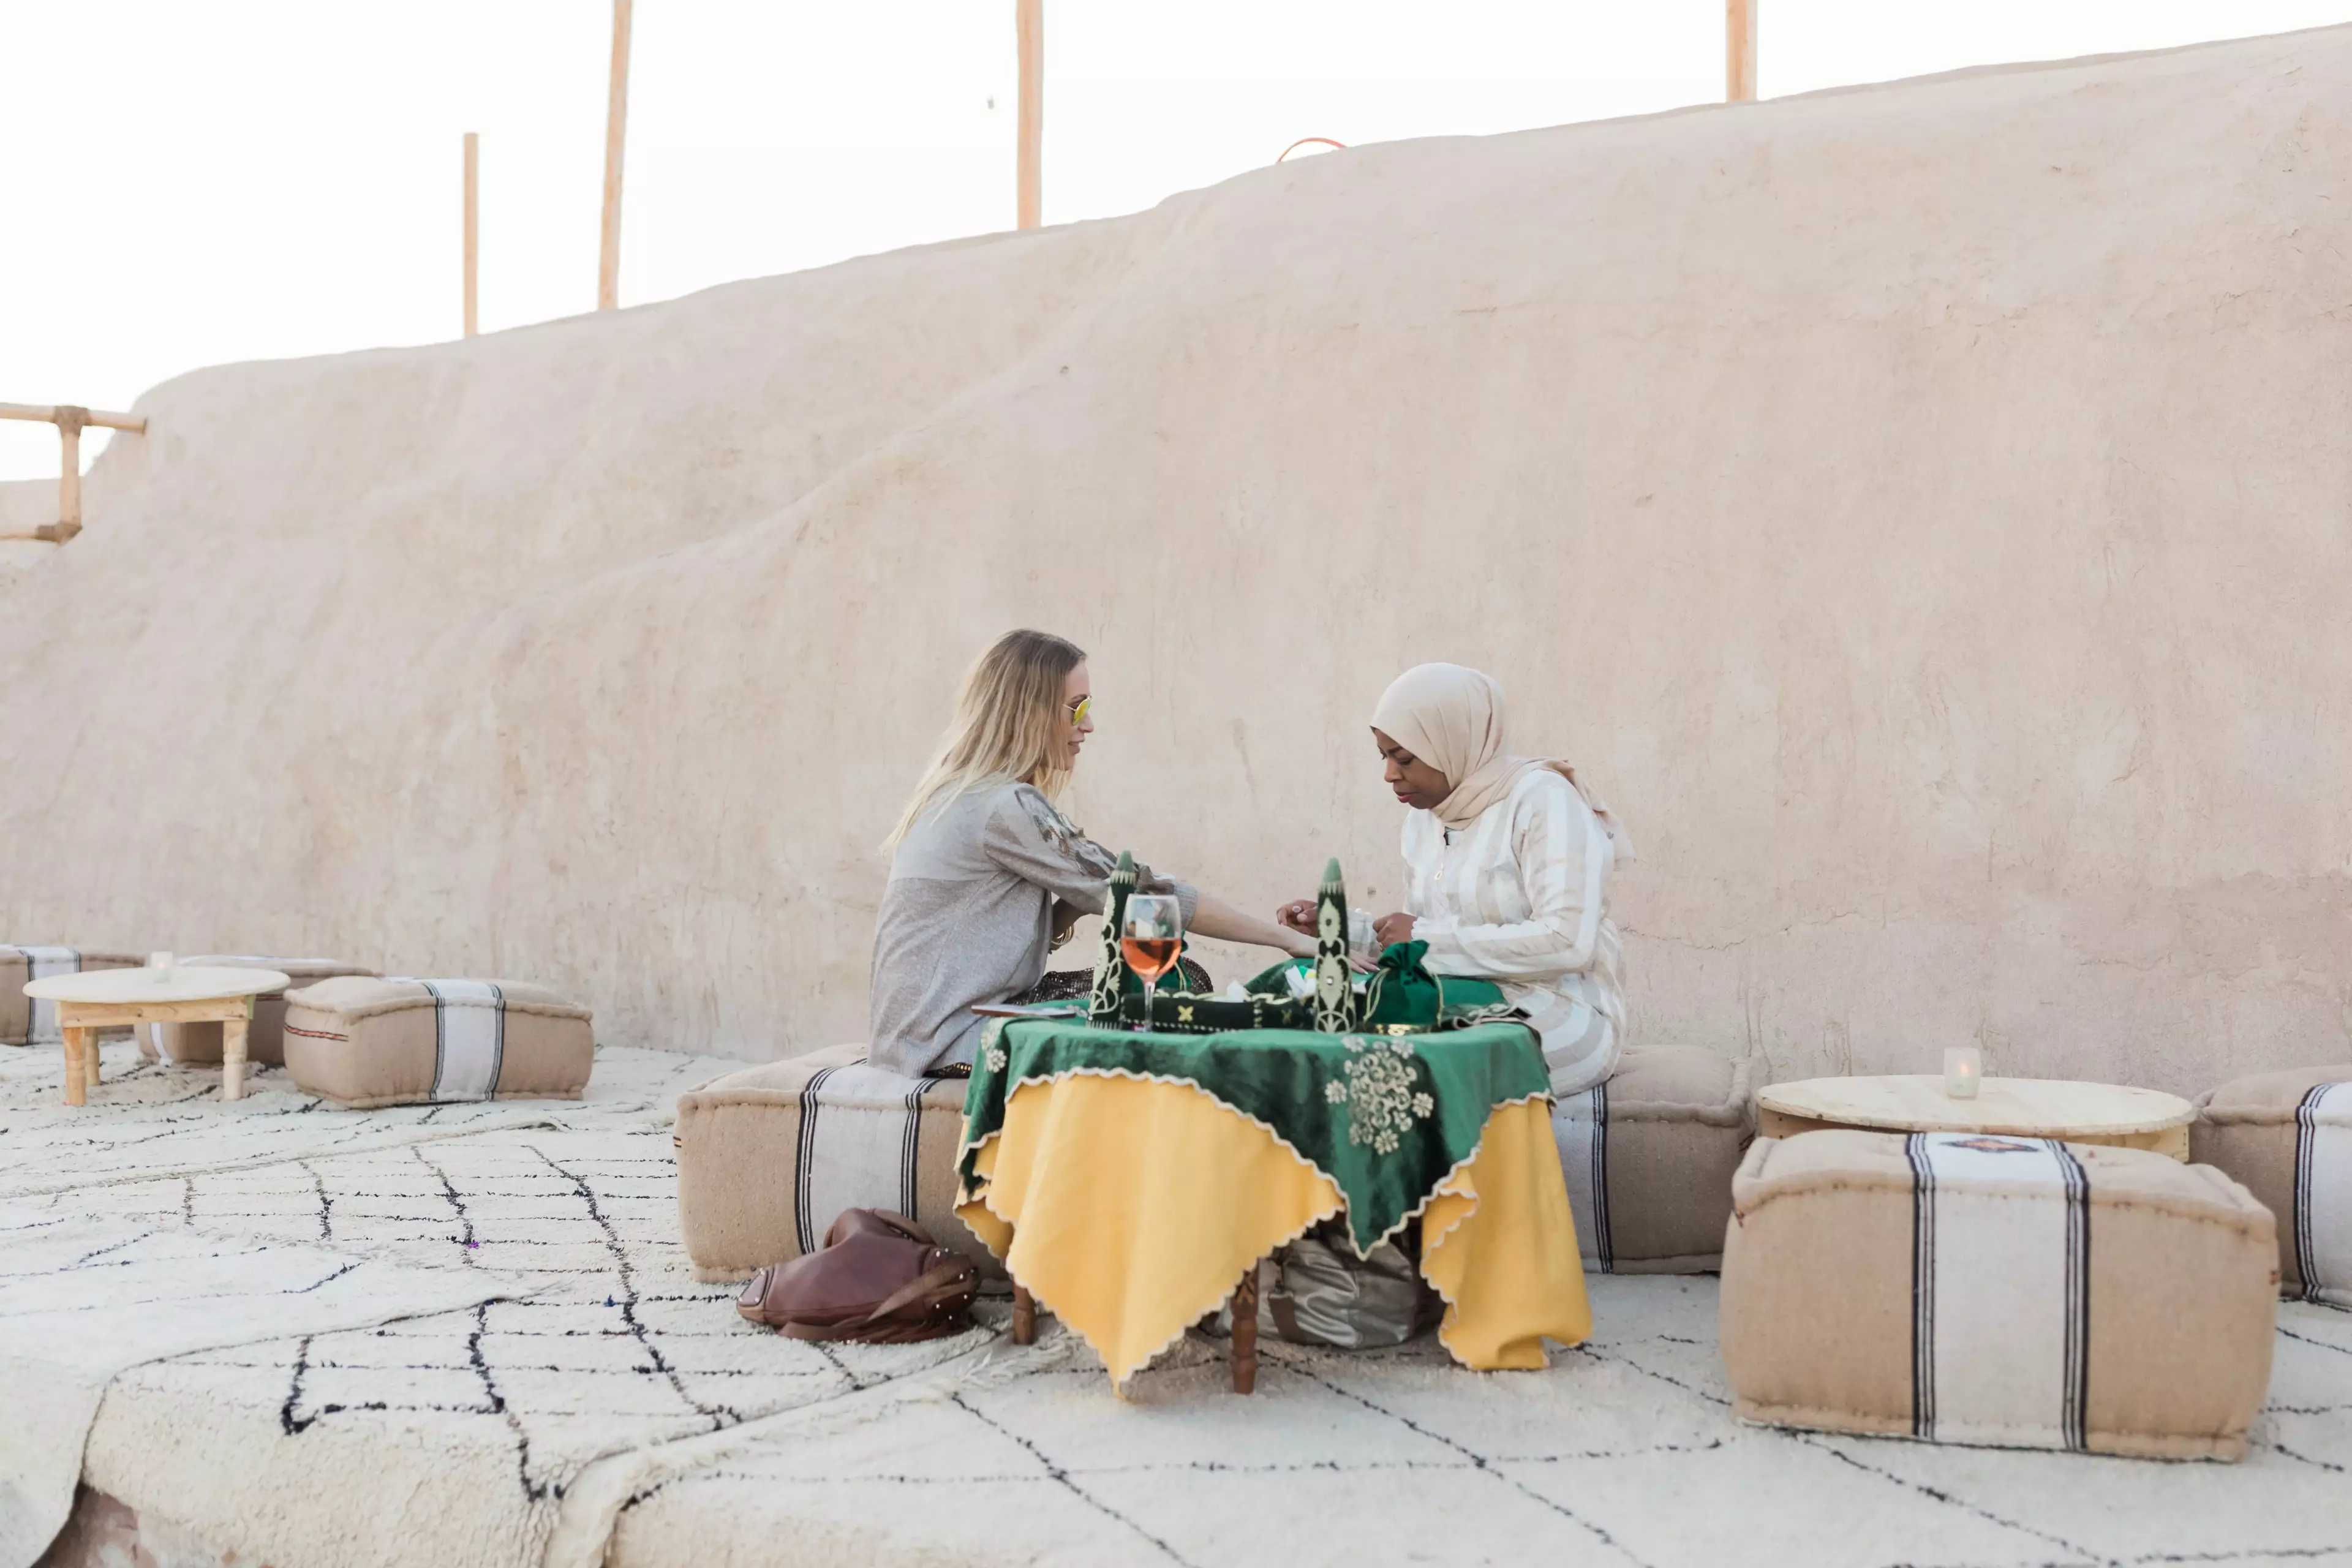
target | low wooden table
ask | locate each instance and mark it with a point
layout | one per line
(2022, 1107)
(1131, 1180)
(112, 997)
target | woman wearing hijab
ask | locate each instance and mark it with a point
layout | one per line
(1508, 862)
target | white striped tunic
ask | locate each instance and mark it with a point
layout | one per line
(1521, 897)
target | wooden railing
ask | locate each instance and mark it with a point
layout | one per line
(70, 421)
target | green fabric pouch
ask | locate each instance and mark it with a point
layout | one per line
(1402, 994)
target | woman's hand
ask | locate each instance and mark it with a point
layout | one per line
(1395, 928)
(1299, 916)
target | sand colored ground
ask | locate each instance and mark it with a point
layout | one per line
(616, 1411)
(1922, 510)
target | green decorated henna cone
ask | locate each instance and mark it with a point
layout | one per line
(1103, 1004)
(1335, 1000)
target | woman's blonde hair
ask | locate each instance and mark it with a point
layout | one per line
(1007, 727)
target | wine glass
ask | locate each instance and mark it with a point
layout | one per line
(1153, 930)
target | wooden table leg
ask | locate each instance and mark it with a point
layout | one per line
(1024, 1317)
(232, 1058)
(77, 1073)
(1246, 1333)
(90, 1057)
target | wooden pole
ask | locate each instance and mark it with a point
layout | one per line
(1029, 26)
(473, 222)
(71, 422)
(1739, 52)
(616, 121)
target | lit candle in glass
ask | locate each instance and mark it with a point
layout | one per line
(161, 963)
(1963, 1071)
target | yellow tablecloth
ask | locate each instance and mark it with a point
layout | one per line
(1129, 1207)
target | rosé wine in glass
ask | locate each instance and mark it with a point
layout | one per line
(1149, 941)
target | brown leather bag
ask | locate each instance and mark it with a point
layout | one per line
(879, 1278)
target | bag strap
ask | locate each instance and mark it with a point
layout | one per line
(953, 1271)
(890, 1220)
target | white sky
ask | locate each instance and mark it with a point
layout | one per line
(187, 183)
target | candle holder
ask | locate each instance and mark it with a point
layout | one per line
(1963, 1071)
(161, 963)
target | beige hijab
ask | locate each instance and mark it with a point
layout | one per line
(1452, 718)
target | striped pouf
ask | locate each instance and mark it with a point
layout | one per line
(2012, 1292)
(2288, 1137)
(769, 1156)
(364, 1042)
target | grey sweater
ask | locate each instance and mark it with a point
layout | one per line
(979, 887)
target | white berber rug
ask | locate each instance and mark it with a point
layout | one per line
(83, 1300)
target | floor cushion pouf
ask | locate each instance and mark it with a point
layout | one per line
(2288, 1137)
(187, 1044)
(24, 1021)
(1964, 1288)
(769, 1156)
(1649, 1157)
(365, 1042)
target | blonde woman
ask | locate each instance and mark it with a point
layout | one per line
(987, 876)
(1507, 862)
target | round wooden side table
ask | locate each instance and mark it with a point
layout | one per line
(110, 997)
(2020, 1107)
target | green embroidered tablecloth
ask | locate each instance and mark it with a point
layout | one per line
(1386, 1117)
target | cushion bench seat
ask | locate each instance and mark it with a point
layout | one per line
(24, 1021)
(1649, 1157)
(769, 1156)
(2287, 1136)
